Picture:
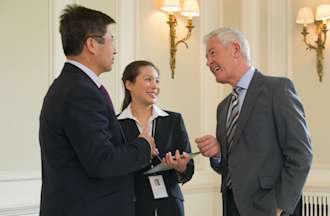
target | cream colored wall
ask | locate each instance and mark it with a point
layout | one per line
(313, 93)
(24, 79)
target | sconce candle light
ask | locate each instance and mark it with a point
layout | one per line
(305, 16)
(190, 9)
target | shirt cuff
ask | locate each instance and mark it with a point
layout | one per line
(216, 159)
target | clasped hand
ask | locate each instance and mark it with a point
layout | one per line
(208, 145)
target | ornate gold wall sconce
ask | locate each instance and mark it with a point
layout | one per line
(190, 9)
(305, 16)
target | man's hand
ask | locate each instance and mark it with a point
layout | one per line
(208, 145)
(278, 212)
(177, 162)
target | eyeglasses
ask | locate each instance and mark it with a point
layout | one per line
(98, 38)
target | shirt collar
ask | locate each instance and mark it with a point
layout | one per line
(245, 80)
(87, 71)
(156, 112)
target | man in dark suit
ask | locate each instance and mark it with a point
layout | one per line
(87, 166)
(262, 147)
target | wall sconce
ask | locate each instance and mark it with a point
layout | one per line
(190, 9)
(305, 16)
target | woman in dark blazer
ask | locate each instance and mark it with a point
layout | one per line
(139, 113)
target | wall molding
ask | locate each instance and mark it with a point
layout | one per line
(290, 39)
(20, 193)
(29, 210)
(278, 39)
(127, 42)
(318, 179)
(51, 30)
(250, 25)
(19, 176)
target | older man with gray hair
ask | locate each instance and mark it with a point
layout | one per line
(262, 146)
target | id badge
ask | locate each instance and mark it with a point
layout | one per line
(158, 186)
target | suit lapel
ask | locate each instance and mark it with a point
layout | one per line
(249, 104)
(161, 127)
(130, 128)
(133, 127)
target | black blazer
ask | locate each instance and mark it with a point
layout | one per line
(86, 161)
(170, 134)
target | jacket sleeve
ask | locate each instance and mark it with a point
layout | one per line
(295, 144)
(184, 143)
(90, 131)
(217, 163)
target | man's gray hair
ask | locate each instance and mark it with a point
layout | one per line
(227, 35)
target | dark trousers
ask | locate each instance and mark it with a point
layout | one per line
(231, 205)
(298, 210)
(233, 211)
(165, 207)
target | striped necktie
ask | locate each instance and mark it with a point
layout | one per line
(231, 124)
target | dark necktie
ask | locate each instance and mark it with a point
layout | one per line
(107, 96)
(231, 124)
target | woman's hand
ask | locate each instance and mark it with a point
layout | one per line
(177, 162)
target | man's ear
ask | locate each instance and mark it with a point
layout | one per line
(91, 45)
(236, 49)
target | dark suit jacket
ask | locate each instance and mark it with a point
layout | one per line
(170, 134)
(86, 162)
(271, 154)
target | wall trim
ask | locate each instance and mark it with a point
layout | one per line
(290, 39)
(51, 30)
(250, 25)
(127, 43)
(20, 211)
(278, 39)
(17, 176)
(20, 192)
(318, 179)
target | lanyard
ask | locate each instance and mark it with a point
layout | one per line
(153, 132)
(153, 128)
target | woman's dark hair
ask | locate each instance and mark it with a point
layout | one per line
(131, 71)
